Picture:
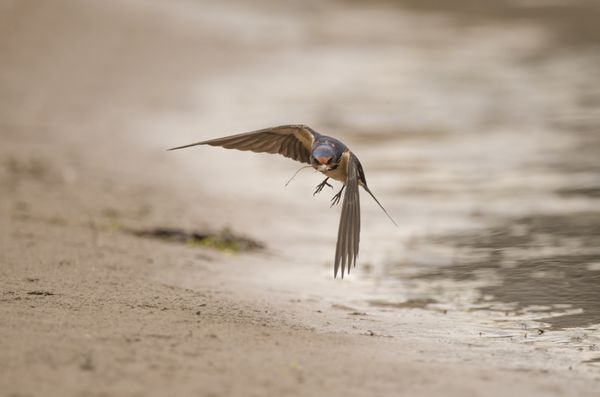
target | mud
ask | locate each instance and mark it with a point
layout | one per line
(476, 123)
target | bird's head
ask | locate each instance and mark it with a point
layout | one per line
(325, 157)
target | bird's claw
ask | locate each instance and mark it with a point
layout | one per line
(336, 199)
(321, 185)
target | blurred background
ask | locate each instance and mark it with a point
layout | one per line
(477, 122)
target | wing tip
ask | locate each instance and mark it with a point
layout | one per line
(186, 146)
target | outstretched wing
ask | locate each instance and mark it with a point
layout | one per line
(348, 239)
(293, 141)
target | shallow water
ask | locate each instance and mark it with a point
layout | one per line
(478, 129)
(544, 267)
(502, 202)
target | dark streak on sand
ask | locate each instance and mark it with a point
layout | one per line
(224, 240)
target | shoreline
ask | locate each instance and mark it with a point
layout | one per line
(88, 309)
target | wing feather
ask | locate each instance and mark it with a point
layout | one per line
(292, 141)
(287, 147)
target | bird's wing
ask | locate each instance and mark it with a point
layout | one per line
(349, 231)
(293, 141)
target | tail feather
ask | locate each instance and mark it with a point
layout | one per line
(378, 203)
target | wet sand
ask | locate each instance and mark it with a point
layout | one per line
(92, 95)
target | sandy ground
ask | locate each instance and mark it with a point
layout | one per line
(92, 94)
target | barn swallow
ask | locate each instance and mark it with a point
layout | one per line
(325, 154)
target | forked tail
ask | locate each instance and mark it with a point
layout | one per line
(378, 203)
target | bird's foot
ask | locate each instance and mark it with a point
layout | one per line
(336, 199)
(321, 185)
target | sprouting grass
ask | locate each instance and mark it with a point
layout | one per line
(224, 240)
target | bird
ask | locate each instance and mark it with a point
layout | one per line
(325, 154)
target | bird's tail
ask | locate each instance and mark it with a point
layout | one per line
(378, 203)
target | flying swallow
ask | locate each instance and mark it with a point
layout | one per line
(325, 154)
